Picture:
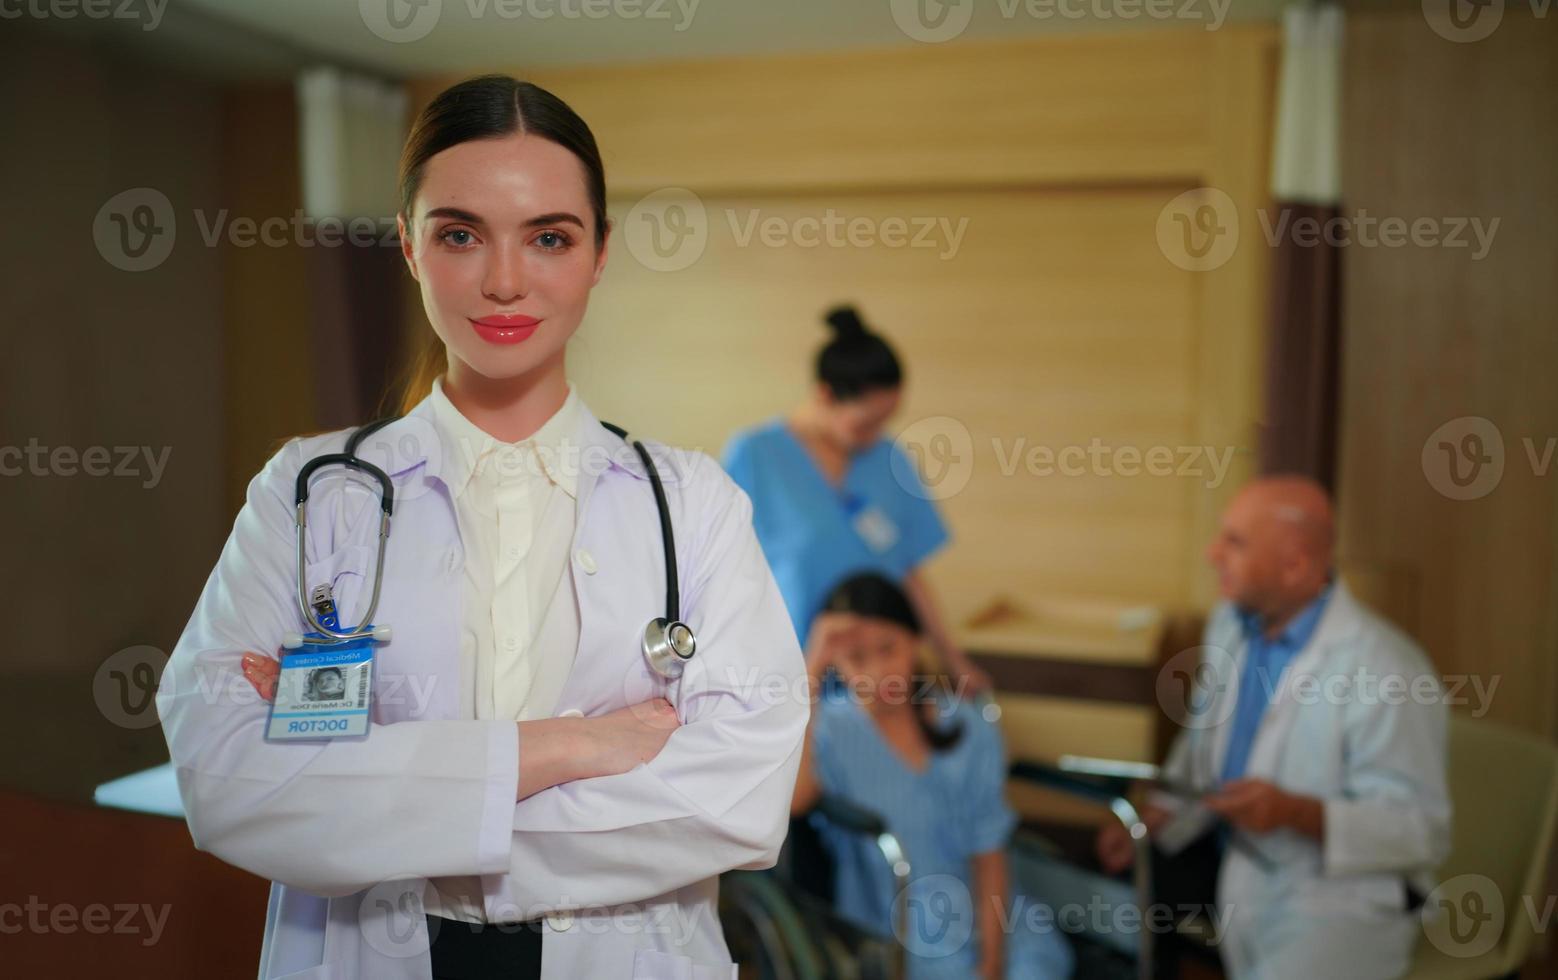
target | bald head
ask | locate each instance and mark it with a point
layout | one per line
(1275, 545)
(1298, 512)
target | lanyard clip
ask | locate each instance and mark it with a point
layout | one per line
(323, 601)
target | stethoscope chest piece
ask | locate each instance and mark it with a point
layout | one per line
(668, 645)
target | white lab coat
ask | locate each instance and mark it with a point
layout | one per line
(349, 830)
(1377, 760)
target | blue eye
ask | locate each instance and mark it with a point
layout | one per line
(553, 241)
(448, 237)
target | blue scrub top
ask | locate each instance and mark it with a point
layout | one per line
(811, 531)
(943, 815)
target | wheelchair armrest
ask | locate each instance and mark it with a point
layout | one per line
(859, 820)
(1105, 789)
(1107, 782)
(850, 816)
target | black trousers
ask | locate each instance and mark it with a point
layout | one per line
(1188, 878)
(476, 951)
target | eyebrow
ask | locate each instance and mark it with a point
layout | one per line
(550, 218)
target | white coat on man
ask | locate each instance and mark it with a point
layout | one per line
(1372, 750)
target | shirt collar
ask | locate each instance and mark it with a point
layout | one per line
(1298, 631)
(467, 447)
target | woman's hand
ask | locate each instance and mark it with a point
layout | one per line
(553, 751)
(262, 671)
(831, 633)
(614, 743)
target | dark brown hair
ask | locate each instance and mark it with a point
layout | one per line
(857, 360)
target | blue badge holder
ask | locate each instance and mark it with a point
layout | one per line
(325, 686)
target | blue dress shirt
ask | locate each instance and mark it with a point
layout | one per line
(1264, 661)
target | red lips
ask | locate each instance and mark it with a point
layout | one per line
(505, 328)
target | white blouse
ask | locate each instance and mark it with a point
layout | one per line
(514, 503)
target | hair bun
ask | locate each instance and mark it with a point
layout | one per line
(846, 322)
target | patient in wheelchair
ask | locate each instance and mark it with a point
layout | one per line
(933, 766)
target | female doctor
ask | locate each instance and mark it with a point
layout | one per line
(531, 799)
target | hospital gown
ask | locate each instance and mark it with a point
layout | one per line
(943, 816)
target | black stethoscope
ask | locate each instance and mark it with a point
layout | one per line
(668, 642)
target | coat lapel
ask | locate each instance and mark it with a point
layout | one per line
(1337, 623)
(614, 502)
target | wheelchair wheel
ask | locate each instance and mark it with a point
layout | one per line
(766, 936)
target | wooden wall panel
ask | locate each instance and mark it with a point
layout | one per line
(1099, 108)
(1443, 131)
(1021, 339)
(270, 361)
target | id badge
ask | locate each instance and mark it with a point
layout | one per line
(323, 692)
(876, 529)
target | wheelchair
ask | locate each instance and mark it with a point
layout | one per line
(780, 923)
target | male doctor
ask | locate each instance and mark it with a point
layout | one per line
(1308, 782)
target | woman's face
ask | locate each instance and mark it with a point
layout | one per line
(857, 423)
(878, 662)
(502, 242)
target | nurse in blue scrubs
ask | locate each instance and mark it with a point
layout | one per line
(832, 496)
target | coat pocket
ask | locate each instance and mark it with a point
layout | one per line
(1371, 895)
(654, 964)
(349, 572)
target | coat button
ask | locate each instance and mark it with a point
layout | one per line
(586, 561)
(560, 921)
